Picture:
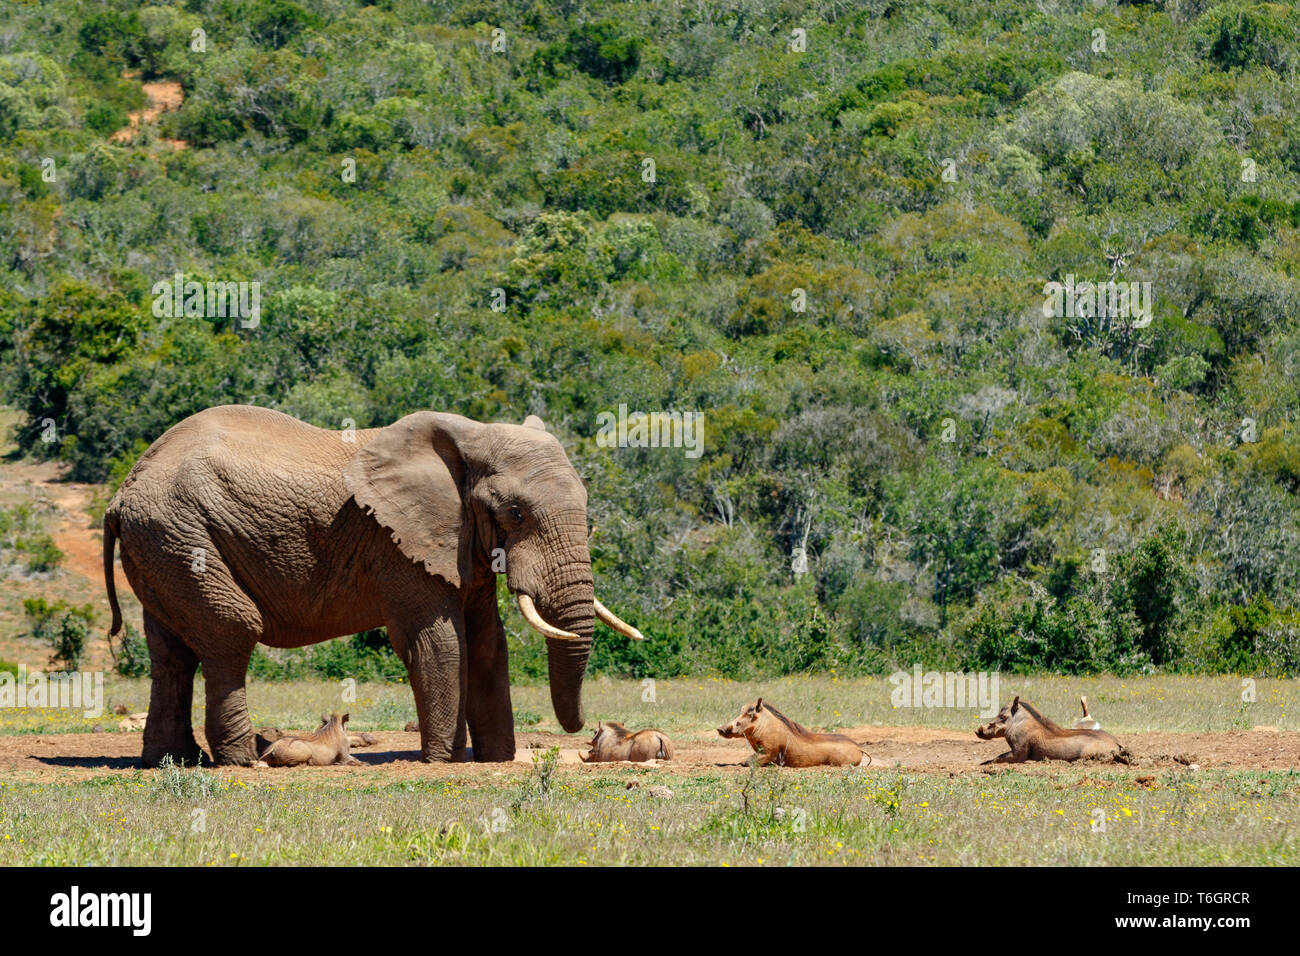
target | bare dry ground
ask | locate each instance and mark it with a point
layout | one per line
(69, 757)
(165, 96)
(80, 577)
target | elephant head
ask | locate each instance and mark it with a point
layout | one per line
(462, 497)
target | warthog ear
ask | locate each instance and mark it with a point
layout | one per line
(324, 718)
(1015, 704)
(759, 706)
(344, 718)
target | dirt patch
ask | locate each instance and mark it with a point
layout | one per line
(165, 96)
(54, 758)
(82, 547)
(80, 575)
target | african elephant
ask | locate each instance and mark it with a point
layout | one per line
(242, 525)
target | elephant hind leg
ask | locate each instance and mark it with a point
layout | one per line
(229, 623)
(171, 697)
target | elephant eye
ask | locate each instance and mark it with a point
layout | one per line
(515, 513)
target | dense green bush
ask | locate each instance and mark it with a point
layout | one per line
(23, 535)
(64, 627)
(131, 655)
(367, 656)
(599, 49)
(837, 249)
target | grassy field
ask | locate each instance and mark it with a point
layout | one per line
(547, 816)
(549, 813)
(1174, 704)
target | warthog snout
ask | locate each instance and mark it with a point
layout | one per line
(743, 722)
(997, 727)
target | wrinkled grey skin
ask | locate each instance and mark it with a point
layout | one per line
(242, 525)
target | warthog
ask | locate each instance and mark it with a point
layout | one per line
(779, 740)
(613, 742)
(269, 735)
(1087, 721)
(1033, 737)
(327, 745)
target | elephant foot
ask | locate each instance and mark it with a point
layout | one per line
(441, 751)
(243, 754)
(487, 754)
(438, 754)
(179, 744)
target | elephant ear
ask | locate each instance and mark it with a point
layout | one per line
(409, 477)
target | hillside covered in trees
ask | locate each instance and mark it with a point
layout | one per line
(829, 228)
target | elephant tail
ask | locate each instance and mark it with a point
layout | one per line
(110, 543)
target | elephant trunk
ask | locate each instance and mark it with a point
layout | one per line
(572, 608)
(567, 663)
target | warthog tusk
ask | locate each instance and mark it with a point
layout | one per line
(617, 623)
(529, 611)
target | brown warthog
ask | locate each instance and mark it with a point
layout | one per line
(779, 740)
(269, 735)
(327, 745)
(613, 742)
(1033, 737)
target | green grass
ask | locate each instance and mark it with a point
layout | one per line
(769, 817)
(548, 814)
(1124, 705)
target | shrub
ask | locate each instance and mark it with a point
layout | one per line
(131, 657)
(105, 118)
(64, 627)
(1254, 638)
(598, 49)
(21, 531)
(176, 782)
(1153, 582)
(367, 656)
(1074, 636)
(1240, 35)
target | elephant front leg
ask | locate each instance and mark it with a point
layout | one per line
(229, 730)
(488, 712)
(434, 653)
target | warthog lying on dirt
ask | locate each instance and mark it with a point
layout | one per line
(269, 735)
(613, 742)
(327, 745)
(781, 741)
(1033, 737)
(1087, 721)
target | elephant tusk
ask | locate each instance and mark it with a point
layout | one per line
(616, 622)
(529, 611)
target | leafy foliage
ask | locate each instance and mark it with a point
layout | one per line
(131, 656)
(23, 535)
(64, 627)
(837, 253)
